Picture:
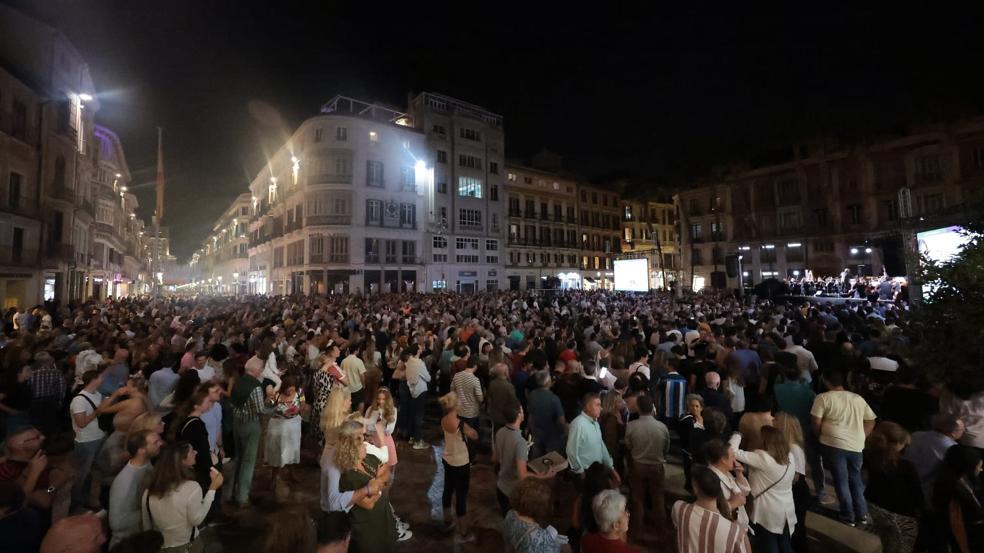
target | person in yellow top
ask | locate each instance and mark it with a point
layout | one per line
(843, 420)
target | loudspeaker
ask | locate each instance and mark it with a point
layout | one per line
(731, 265)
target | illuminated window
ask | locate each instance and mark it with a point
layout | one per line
(469, 187)
(511, 177)
(373, 136)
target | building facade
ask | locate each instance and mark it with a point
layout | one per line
(52, 168)
(600, 229)
(465, 211)
(828, 209)
(115, 266)
(649, 230)
(224, 255)
(338, 207)
(543, 248)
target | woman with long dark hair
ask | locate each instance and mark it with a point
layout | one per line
(958, 511)
(893, 492)
(189, 427)
(173, 503)
(707, 521)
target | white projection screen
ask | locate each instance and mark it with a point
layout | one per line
(632, 275)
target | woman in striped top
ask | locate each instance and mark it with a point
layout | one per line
(705, 526)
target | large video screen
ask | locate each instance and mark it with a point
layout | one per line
(632, 275)
(942, 244)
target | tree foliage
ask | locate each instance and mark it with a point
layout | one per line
(949, 322)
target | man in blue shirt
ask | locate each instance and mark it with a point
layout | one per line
(927, 448)
(584, 443)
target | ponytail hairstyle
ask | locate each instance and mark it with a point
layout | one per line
(707, 484)
(883, 444)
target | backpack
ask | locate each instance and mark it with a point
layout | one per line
(105, 421)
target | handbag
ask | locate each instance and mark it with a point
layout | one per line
(750, 501)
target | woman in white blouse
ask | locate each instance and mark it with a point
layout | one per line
(772, 471)
(173, 503)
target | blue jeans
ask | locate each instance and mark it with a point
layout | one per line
(84, 454)
(846, 469)
(767, 542)
(418, 405)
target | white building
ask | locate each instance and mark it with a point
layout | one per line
(338, 207)
(223, 258)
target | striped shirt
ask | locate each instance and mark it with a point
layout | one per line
(674, 390)
(469, 390)
(703, 531)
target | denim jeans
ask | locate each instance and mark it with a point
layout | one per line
(84, 454)
(846, 469)
(247, 443)
(418, 405)
(767, 542)
(404, 416)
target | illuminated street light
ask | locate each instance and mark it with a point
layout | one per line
(867, 250)
(854, 251)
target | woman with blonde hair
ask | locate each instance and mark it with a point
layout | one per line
(373, 525)
(335, 412)
(323, 384)
(791, 429)
(457, 466)
(613, 426)
(894, 493)
(771, 475)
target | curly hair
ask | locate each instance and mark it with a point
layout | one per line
(389, 408)
(532, 497)
(348, 450)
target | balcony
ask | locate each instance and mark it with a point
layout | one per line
(11, 256)
(329, 220)
(60, 252)
(62, 193)
(470, 226)
(330, 178)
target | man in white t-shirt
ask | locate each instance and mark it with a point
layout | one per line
(641, 364)
(206, 372)
(85, 409)
(355, 370)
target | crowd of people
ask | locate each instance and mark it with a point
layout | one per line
(138, 424)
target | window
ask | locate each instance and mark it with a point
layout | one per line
(469, 134)
(492, 259)
(823, 245)
(892, 210)
(318, 135)
(767, 253)
(408, 181)
(466, 258)
(339, 249)
(469, 187)
(390, 246)
(409, 251)
(629, 234)
(466, 244)
(695, 256)
(440, 243)
(408, 216)
(491, 245)
(373, 137)
(442, 186)
(440, 258)
(929, 168)
(717, 232)
(442, 156)
(470, 218)
(343, 166)
(494, 192)
(374, 212)
(594, 198)
(788, 189)
(528, 180)
(491, 285)
(696, 233)
(471, 162)
(341, 134)
(19, 125)
(717, 254)
(821, 217)
(511, 177)
(790, 220)
(14, 190)
(930, 203)
(628, 213)
(979, 158)
(439, 284)
(493, 168)
(439, 129)
(854, 214)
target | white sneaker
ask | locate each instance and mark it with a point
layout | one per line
(421, 445)
(404, 536)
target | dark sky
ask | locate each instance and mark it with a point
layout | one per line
(660, 97)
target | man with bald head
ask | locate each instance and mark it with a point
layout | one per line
(78, 534)
(713, 396)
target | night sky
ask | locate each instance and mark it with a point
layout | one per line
(660, 98)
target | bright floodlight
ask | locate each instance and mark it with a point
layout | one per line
(85, 97)
(867, 250)
(796, 273)
(854, 251)
(420, 165)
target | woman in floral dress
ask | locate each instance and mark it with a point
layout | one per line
(283, 442)
(322, 382)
